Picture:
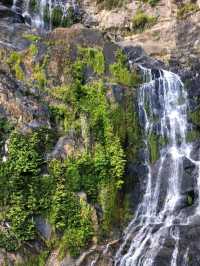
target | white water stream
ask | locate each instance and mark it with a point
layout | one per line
(162, 103)
(41, 17)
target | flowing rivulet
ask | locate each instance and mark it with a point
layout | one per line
(161, 217)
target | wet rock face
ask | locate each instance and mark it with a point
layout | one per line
(21, 109)
(10, 15)
(7, 2)
(12, 27)
(43, 227)
(187, 254)
(140, 57)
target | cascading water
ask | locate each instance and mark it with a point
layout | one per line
(157, 235)
(38, 13)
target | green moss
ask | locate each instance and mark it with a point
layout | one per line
(141, 21)
(107, 200)
(40, 76)
(126, 211)
(31, 37)
(195, 117)
(186, 9)
(189, 200)
(133, 133)
(124, 116)
(192, 135)
(33, 49)
(15, 62)
(188, 83)
(155, 143)
(153, 147)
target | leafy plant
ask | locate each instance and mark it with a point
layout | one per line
(15, 62)
(22, 188)
(110, 4)
(186, 9)
(141, 21)
(151, 2)
(120, 72)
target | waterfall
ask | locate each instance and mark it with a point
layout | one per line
(38, 13)
(155, 235)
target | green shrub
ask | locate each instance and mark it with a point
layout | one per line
(73, 217)
(23, 189)
(150, 2)
(15, 62)
(110, 4)
(33, 49)
(120, 72)
(94, 58)
(58, 18)
(77, 236)
(35, 260)
(186, 9)
(70, 18)
(8, 241)
(153, 2)
(103, 165)
(39, 75)
(65, 208)
(141, 21)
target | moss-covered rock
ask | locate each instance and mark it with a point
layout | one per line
(195, 117)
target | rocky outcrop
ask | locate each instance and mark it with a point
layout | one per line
(18, 107)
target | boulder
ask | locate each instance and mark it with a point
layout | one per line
(43, 227)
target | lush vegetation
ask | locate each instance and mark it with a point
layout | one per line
(33, 186)
(141, 21)
(27, 193)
